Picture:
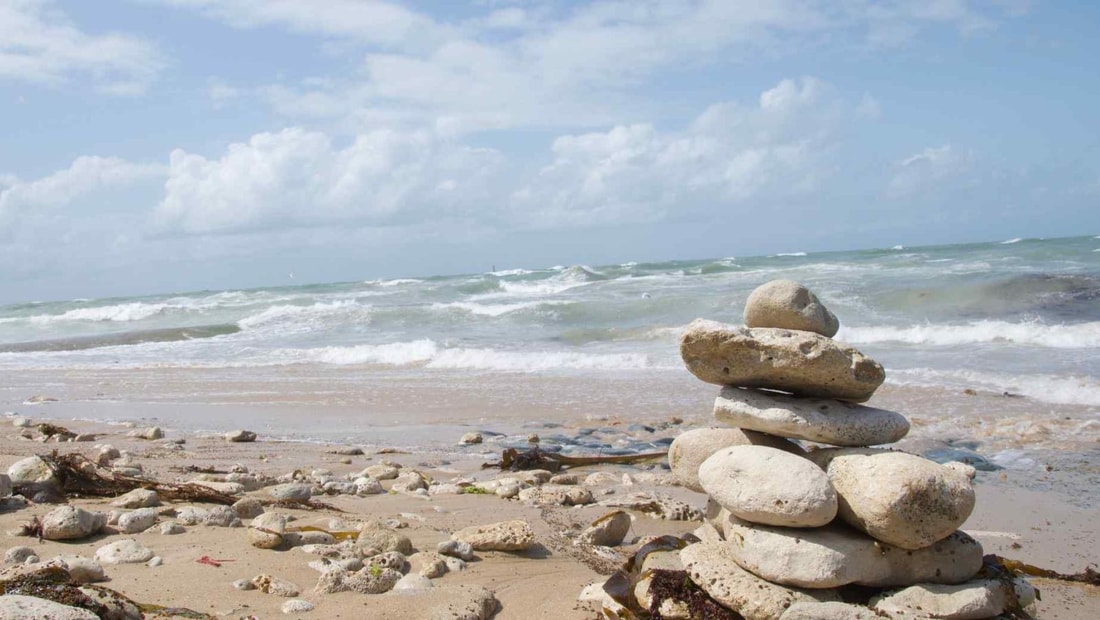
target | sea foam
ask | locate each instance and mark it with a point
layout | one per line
(1074, 336)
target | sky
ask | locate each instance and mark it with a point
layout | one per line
(154, 146)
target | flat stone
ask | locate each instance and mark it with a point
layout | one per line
(691, 448)
(557, 495)
(837, 555)
(126, 551)
(829, 421)
(266, 531)
(769, 486)
(829, 611)
(712, 567)
(982, 598)
(364, 581)
(138, 498)
(804, 363)
(655, 505)
(240, 436)
(789, 305)
(71, 523)
(504, 536)
(911, 503)
(19, 607)
(609, 530)
(381, 472)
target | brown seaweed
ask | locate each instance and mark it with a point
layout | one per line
(514, 460)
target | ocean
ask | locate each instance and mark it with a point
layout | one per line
(973, 337)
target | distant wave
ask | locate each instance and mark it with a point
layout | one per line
(494, 310)
(791, 254)
(135, 311)
(1058, 390)
(1076, 336)
(564, 280)
(307, 317)
(395, 282)
(504, 273)
(1011, 241)
(80, 343)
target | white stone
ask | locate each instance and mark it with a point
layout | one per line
(830, 611)
(274, 585)
(19, 607)
(31, 470)
(138, 498)
(82, 569)
(266, 531)
(712, 567)
(137, 521)
(70, 523)
(151, 433)
(822, 420)
(804, 363)
(297, 606)
(126, 551)
(691, 448)
(769, 486)
(983, 598)
(471, 438)
(789, 305)
(292, 491)
(514, 535)
(413, 582)
(912, 502)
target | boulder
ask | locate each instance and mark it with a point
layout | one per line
(607, 531)
(691, 448)
(837, 555)
(504, 536)
(789, 305)
(126, 551)
(804, 363)
(31, 470)
(19, 607)
(712, 567)
(769, 486)
(912, 503)
(822, 420)
(982, 598)
(71, 523)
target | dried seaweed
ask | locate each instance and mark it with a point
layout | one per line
(80, 477)
(676, 585)
(194, 469)
(1089, 575)
(514, 460)
(620, 586)
(302, 504)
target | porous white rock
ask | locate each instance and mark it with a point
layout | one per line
(830, 611)
(789, 305)
(912, 503)
(269, 584)
(297, 606)
(557, 495)
(712, 567)
(769, 486)
(125, 551)
(20, 607)
(70, 523)
(691, 448)
(514, 535)
(804, 363)
(830, 421)
(837, 555)
(137, 521)
(982, 598)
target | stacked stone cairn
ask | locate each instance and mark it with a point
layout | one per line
(789, 527)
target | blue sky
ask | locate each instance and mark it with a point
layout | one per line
(167, 145)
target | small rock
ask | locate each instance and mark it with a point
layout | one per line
(983, 598)
(364, 581)
(293, 492)
(31, 470)
(504, 536)
(82, 569)
(171, 528)
(297, 606)
(18, 555)
(471, 438)
(155, 561)
(222, 516)
(151, 433)
(138, 498)
(552, 495)
(137, 521)
(376, 539)
(381, 472)
(274, 585)
(126, 551)
(191, 515)
(655, 505)
(465, 602)
(70, 523)
(456, 548)
(248, 508)
(240, 436)
(412, 582)
(609, 530)
(789, 305)
(244, 584)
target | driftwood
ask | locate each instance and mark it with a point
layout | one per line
(80, 477)
(514, 460)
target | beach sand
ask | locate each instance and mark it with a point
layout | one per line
(1038, 527)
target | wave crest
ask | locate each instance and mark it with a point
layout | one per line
(1078, 336)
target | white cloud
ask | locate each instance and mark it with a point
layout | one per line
(38, 43)
(86, 175)
(297, 178)
(928, 170)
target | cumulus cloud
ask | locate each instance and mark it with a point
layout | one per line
(928, 170)
(38, 43)
(299, 178)
(86, 176)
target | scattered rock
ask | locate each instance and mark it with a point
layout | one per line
(171, 528)
(364, 581)
(31, 470)
(274, 585)
(266, 531)
(822, 420)
(471, 438)
(137, 521)
(292, 491)
(804, 363)
(465, 602)
(126, 551)
(138, 498)
(655, 505)
(413, 582)
(71, 523)
(769, 486)
(504, 536)
(82, 569)
(607, 531)
(376, 539)
(151, 433)
(297, 606)
(553, 495)
(912, 503)
(789, 305)
(240, 436)
(19, 555)
(456, 548)
(248, 508)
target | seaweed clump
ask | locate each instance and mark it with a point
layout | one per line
(675, 585)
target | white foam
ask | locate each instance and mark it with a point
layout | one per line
(393, 354)
(535, 361)
(135, 311)
(1061, 390)
(394, 282)
(1075, 336)
(791, 254)
(306, 317)
(494, 310)
(898, 247)
(1011, 241)
(510, 272)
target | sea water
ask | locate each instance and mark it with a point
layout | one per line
(1018, 319)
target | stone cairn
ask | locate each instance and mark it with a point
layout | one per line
(788, 527)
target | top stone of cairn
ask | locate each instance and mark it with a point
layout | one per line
(789, 305)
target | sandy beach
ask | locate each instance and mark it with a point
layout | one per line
(1045, 528)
